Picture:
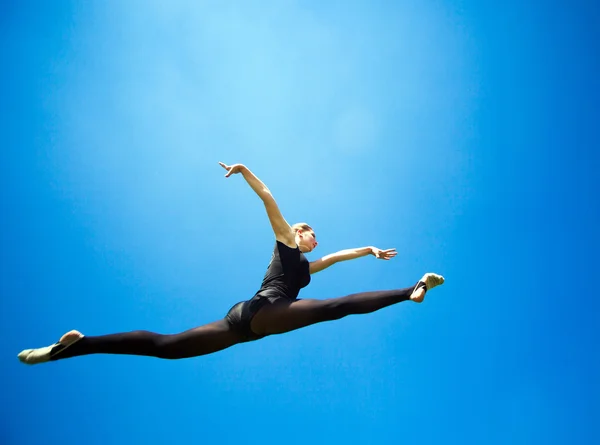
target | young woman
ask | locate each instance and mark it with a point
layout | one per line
(274, 309)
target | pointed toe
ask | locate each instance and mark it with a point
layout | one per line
(35, 356)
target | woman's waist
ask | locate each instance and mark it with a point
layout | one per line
(274, 292)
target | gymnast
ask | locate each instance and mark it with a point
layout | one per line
(274, 309)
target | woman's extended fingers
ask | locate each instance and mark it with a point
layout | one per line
(232, 169)
(387, 254)
(226, 167)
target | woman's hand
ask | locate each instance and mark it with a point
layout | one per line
(383, 254)
(232, 169)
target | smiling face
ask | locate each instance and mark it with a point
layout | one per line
(305, 237)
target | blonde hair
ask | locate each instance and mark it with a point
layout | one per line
(302, 226)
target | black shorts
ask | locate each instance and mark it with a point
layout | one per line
(241, 314)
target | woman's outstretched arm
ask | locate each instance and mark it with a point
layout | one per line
(350, 254)
(281, 228)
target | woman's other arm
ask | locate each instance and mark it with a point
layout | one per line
(350, 254)
(281, 228)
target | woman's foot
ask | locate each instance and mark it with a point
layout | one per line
(428, 282)
(42, 355)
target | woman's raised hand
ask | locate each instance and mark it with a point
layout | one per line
(232, 169)
(383, 254)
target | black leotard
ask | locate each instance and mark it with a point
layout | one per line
(287, 273)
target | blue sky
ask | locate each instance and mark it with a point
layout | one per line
(464, 134)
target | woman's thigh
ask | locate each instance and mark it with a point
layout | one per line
(202, 340)
(285, 316)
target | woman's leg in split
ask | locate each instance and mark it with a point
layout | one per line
(202, 340)
(285, 316)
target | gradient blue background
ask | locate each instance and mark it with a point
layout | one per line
(465, 134)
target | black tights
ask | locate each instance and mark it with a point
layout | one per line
(285, 316)
(192, 343)
(213, 337)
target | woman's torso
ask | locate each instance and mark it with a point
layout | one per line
(287, 273)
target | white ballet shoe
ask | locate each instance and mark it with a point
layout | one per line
(432, 280)
(34, 356)
(429, 281)
(42, 355)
